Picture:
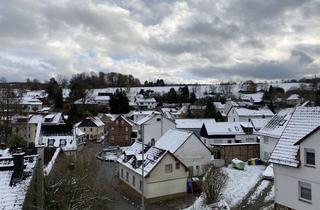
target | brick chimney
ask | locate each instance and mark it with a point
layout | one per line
(18, 167)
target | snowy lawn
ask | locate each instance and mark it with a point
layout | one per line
(240, 182)
(264, 184)
(237, 187)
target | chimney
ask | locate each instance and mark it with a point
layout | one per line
(18, 167)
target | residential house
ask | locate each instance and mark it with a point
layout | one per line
(229, 140)
(241, 114)
(192, 124)
(107, 120)
(70, 140)
(296, 161)
(270, 134)
(164, 175)
(145, 103)
(188, 147)
(294, 100)
(152, 127)
(93, 128)
(122, 131)
(220, 107)
(249, 86)
(30, 104)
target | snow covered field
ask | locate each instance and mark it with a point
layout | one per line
(237, 187)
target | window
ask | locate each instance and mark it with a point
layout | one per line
(127, 176)
(84, 129)
(126, 128)
(91, 129)
(133, 180)
(168, 168)
(266, 155)
(140, 185)
(51, 142)
(112, 128)
(152, 142)
(229, 141)
(117, 122)
(309, 157)
(265, 140)
(238, 141)
(177, 165)
(126, 137)
(112, 138)
(305, 192)
(122, 173)
(158, 119)
(63, 142)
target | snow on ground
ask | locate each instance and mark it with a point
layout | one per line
(240, 183)
(199, 205)
(48, 168)
(270, 195)
(264, 184)
(237, 187)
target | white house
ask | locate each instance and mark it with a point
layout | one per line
(241, 114)
(296, 160)
(145, 103)
(270, 134)
(188, 147)
(30, 104)
(164, 174)
(153, 127)
(70, 140)
(221, 133)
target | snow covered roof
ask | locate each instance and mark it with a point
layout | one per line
(254, 97)
(28, 100)
(173, 139)
(223, 128)
(191, 123)
(12, 197)
(152, 156)
(259, 123)
(218, 105)
(277, 124)
(303, 121)
(147, 118)
(293, 97)
(130, 122)
(252, 112)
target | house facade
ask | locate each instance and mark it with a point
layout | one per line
(92, 127)
(270, 134)
(241, 114)
(164, 175)
(296, 160)
(122, 132)
(188, 147)
(152, 127)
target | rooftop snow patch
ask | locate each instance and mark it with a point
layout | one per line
(173, 139)
(303, 121)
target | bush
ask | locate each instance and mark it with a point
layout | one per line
(213, 184)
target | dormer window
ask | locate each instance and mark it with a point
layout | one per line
(309, 157)
(51, 142)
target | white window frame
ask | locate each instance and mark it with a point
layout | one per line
(168, 168)
(306, 186)
(309, 150)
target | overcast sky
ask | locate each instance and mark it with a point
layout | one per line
(180, 41)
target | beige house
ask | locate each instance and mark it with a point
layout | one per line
(93, 128)
(165, 176)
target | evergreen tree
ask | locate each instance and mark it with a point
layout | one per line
(172, 96)
(55, 93)
(119, 103)
(184, 94)
(210, 111)
(193, 97)
(219, 117)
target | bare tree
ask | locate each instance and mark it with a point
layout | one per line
(73, 185)
(213, 184)
(9, 106)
